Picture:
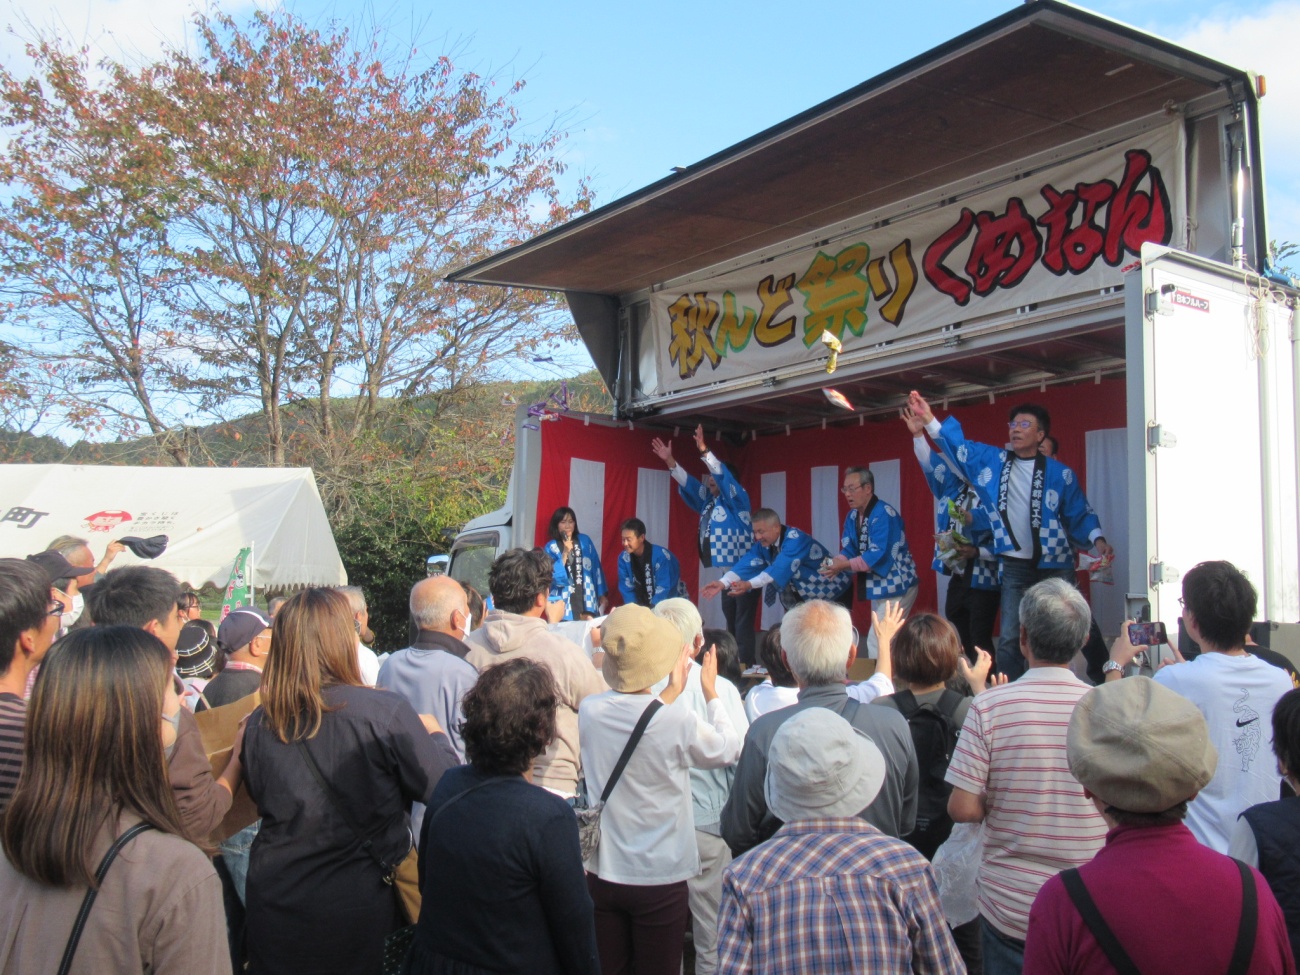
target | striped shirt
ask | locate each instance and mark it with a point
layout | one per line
(1037, 821)
(831, 896)
(13, 719)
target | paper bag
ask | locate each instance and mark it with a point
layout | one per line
(217, 726)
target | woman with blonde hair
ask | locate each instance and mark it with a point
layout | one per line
(97, 874)
(333, 766)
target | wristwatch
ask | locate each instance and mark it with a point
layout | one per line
(1112, 667)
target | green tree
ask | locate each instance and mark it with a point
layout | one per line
(329, 194)
(1281, 254)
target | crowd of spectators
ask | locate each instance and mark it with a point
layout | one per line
(432, 811)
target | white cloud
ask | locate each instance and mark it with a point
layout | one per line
(129, 31)
(1264, 42)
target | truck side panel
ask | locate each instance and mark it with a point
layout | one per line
(1212, 426)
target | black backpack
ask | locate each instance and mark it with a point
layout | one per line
(934, 736)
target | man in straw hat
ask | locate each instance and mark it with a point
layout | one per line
(1153, 900)
(829, 892)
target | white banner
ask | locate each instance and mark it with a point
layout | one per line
(1064, 230)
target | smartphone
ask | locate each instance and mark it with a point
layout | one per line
(1147, 634)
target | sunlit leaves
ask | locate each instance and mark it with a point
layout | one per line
(266, 221)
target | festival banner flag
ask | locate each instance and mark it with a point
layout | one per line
(239, 590)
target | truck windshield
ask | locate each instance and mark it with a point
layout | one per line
(472, 558)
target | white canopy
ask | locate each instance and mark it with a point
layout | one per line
(208, 513)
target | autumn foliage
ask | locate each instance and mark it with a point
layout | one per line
(248, 241)
(265, 223)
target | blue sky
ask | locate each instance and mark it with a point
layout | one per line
(645, 87)
(644, 90)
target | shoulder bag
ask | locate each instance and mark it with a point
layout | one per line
(389, 870)
(1242, 949)
(88, 901)
(398, 944)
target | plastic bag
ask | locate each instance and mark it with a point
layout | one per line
(1099, 568)
(956, 867)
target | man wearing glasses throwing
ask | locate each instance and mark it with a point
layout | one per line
(1038, 511)
(874, 546)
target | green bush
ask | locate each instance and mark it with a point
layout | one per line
(386, 560)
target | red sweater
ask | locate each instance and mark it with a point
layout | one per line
(1172, 903)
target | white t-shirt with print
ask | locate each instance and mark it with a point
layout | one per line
(1236, 695)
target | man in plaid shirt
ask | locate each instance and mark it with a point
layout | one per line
(830, 893)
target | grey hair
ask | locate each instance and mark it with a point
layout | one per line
(864, 473)
(356, 597)
(433, 601)
(816, 637)
(766, 515)
(66, 545)
(682, 614)
(1056, 620)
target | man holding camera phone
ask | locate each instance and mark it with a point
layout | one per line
(1235, 690)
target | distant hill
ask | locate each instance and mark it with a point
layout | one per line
(480, 413)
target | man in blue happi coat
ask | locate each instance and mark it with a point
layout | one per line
(647, 574)
(874, 545)
(784, 564)
(1037, 510)
(725, 532)
(963, 548)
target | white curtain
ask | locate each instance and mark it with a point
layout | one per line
(826, 523)
(587, 497)
(888, 482)
(652, 496)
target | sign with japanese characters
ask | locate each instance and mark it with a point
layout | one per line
(1057, 231)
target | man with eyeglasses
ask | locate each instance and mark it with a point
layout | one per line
(29, 622)
(1038, 511)
(874, 545)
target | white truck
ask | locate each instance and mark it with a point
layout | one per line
(1052, 207)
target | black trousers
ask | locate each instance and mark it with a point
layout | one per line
(740, 613)
(973, 612)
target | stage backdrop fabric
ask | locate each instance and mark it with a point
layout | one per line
(608, 473)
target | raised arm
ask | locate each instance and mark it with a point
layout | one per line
(886, 626)
(664, 452)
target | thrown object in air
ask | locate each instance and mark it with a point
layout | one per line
(835, 345)
(837, 398)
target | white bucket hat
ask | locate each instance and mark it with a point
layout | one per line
(820, 766)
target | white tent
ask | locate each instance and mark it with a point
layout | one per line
(208, 513)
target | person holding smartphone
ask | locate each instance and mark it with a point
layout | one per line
(1235, 690)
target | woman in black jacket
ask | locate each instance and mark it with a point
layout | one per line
(331, 764)
(500, 866)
